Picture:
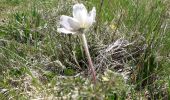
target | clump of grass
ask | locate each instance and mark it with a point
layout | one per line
(25, 27)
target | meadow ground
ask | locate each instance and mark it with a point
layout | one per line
(129, 45)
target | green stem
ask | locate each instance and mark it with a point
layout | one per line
(89, 58)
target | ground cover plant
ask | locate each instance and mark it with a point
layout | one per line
(129, 45)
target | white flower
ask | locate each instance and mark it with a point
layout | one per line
(81, 19)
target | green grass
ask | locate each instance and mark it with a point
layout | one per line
(36, 62)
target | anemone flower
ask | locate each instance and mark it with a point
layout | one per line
(80, 21)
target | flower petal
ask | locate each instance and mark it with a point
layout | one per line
(63, 30)
(92, 16)
(80, 13)
(69, 23)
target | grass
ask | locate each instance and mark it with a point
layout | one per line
(129, 45)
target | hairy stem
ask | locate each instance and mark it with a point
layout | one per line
(89, 57)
